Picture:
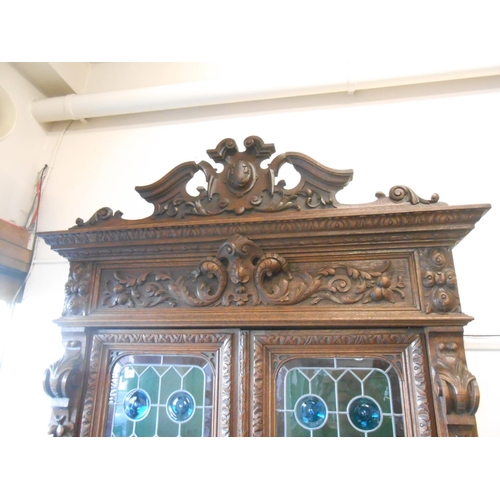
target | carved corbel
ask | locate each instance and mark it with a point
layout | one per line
(454, 382)
(61, 381)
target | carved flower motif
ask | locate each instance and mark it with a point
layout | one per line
(119, 296)
(437, 258)
(76, 290)
(440, 283)
(383, 289)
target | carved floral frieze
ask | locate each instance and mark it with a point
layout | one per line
(243, 274)
(439, 281)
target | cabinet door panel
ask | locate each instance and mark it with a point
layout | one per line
(158, 384)
(340, 383)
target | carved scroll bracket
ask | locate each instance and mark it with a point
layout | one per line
(61, 382)
(454, 382)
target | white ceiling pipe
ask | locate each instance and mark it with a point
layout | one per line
(205, 93)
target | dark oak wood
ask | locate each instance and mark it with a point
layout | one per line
(251, 274)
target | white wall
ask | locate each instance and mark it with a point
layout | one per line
(439, 138)
(21, 151)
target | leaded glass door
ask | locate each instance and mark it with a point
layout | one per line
(339, 383)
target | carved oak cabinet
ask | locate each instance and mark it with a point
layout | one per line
(251, 309)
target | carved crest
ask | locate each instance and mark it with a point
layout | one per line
(244, 184)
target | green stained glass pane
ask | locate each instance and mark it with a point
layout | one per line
(166, 428)
(376, 386)
(348, 387)
(324, 386)
(385, 429)
(346, 429)
(293, 429)
(139, 369)
(194, 426)
(127, 381)
(147, 427)
(194, 382)
(170, 382)
(329, 429)
(182, 370)
(122, 426)
(162, 369)
(149, 381)
(296, 386)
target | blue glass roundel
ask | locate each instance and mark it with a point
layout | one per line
(180, 406)
(311, 411)
(137, 404)
(365, 414)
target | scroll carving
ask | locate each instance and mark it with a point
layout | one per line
(102, 215)
(242, 274)
(455, 384)
(243, 184)
(439, 281)
(61, 380)
(77, 289)
(405, 194)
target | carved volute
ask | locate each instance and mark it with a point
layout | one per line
(249, 277)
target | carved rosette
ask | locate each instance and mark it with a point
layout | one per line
(454, 382)
(242, 274)
(439, 281)
(77, 289)
(61, 381)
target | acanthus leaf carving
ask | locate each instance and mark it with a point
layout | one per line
(242, 274)
(102, 215)
(399, 194)
(455, 383)
(61, 380)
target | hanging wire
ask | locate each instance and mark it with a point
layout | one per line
(31, 223)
